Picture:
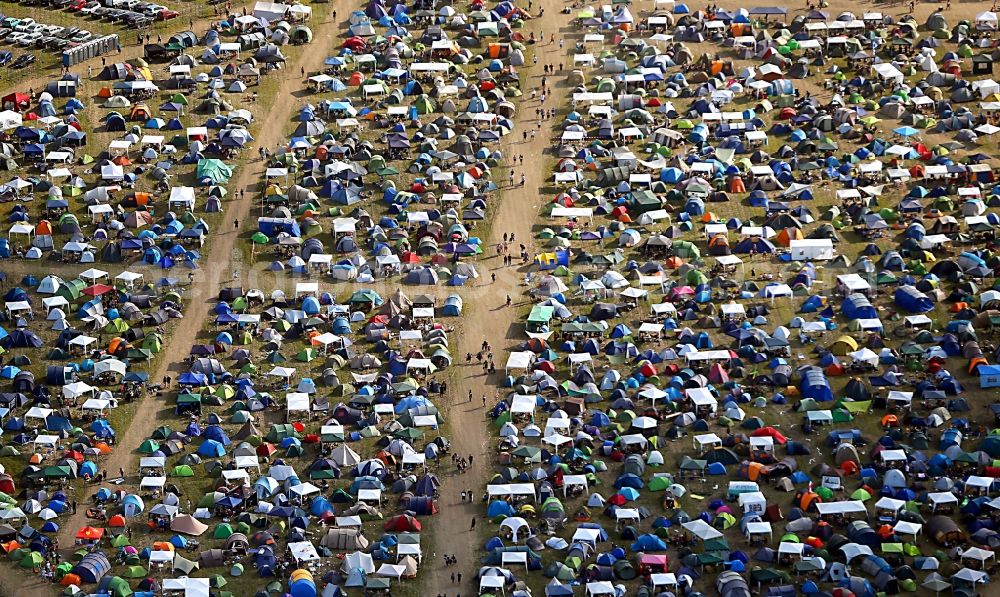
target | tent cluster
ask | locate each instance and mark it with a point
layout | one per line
(184, 120)
(303, 434)
(439, 103)
(823, 391)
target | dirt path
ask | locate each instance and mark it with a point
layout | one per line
(488, 318)
(222, 258)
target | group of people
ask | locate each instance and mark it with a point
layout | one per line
(462, 464)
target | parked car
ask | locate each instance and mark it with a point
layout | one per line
(6, 56)
(25, 25)
(138, 21)
(90, 7)
(82, 36)
(166, 14)
(23, 60)
(29, 39)
(77, 5)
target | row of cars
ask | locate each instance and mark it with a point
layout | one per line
(134, 14)
(28, 33)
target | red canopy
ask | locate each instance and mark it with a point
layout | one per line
(97, 290)
(90, 533)
(16, 101)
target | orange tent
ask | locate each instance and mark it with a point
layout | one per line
(139, 112)
(104, 92)
(322, 152)
(809, 500)
(959, 306)
(355, 80)
(754, 470)
(116, 344)
(163, 546)
(103, 448)
(786, 236)
(36, 458)
(973, 363)
(673, 262)
(43, 228)
(736, 185)
(116, 521)
(716, 67)
(718, 240)
(709, 217)
(71, 579)
(10, 546)
(890, 421)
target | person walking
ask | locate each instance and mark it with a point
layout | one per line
(473, 526)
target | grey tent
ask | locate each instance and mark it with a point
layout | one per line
(344, 539)
(211, 558)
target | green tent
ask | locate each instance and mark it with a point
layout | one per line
(134, 572)
(153, 343)
(279, 432)
(182, 470)
(216, 171)
(120, 541)
(162, 432)
(118, 587)
(32, 559)
(149, 446)
(424, 104)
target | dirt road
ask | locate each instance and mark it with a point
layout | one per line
(488, 318)
(221, 261)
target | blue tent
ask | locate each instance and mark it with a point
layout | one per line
(211, 449)
(647, 543)
(857, 306)
(912, 300)
(92, 567)
(989, 376)
(815, 385)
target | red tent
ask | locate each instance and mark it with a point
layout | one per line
(718, 375)
(403, 523)
(771, 432)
